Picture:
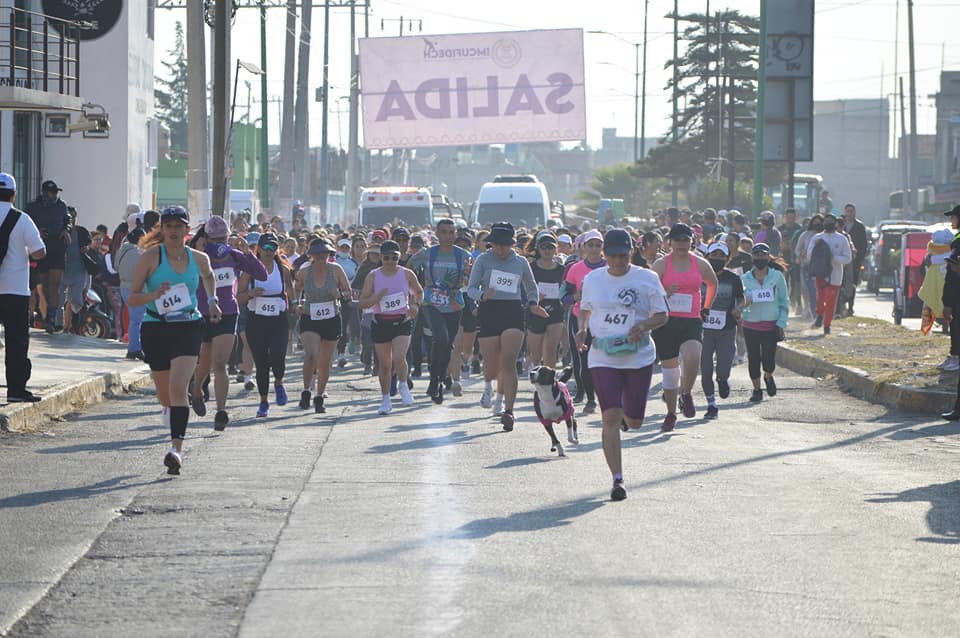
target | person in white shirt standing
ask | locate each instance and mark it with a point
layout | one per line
(19, 238)
(828, 287)
(620, 305)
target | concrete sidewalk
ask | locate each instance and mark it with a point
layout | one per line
(69, 372)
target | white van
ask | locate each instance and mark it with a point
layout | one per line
(408, 205)
(520, 203)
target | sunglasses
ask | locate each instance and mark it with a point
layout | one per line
(268, 247)
(390, 257)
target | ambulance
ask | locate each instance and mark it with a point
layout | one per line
(396, 205)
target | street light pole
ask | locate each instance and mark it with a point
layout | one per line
(264, 152)
(643, 98)
(636, 99)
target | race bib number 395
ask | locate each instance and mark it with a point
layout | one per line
(504, 281)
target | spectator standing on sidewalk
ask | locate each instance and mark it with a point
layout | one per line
(49, 213)
(19, 237)
(858, 235)
(802, 260)
(951, 304)
(768, 233)
(829, 278)
(76, 278)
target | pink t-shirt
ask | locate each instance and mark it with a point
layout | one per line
(576, 275)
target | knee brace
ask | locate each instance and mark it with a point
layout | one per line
(671, 378)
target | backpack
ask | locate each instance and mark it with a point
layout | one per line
(821, 260)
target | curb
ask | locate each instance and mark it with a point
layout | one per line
(69, 397)
(857, 383)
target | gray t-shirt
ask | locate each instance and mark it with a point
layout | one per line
(441, 280)
(508, 277)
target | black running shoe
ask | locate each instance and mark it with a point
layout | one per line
(432, 388)
(712, 412)
(619, 492)
(723, 387)
(305, 400)
(240, 377)
(506, 419)
(448, 382)
(771, 386)
(318, 407)
(199, 406)
(220, 420)
(438, 396)
(24, 397)
(172, 461)
(757, 396)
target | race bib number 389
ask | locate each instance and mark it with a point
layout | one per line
(394, 304)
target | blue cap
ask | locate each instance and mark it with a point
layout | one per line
(253, 238)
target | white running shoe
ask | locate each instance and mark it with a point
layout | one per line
(485, 398)
(456, 388)
(405, 397)
(386, 407)
(498, 404)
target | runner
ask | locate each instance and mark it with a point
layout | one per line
(267, 328)
(495, 282)
(683, 275)
(370, 262)
(166, 281)
(544, 335)
(620, 305)
(591, 246)
(720, 328)
(219, 338)
(388, 290)
(766, 307)
(319, 285)
(442, 267)
(463, 360)
(350, 317)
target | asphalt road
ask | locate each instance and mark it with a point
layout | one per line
(809, 514)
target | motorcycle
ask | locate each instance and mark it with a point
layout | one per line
(91, 321)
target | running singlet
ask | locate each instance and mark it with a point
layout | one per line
(320, 301)
(179, 303)
(394, 303)
(271, 303)
(686, 301)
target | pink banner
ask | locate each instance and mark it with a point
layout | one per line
(473, 88)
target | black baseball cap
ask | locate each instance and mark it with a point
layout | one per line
(955, 211)
(268, 239)
(400, 231)
(49, 185)
(172, 212)
(389, 246)
(680, 231)
(617, 241)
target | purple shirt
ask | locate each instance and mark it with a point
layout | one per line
(222, 256)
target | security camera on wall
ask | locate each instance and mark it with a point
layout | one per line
(94, 122)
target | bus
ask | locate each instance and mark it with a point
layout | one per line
(396, 205)
(807, 192)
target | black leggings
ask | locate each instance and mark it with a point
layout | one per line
(761, 350)
(444, 327)
(581, 369)
(267, 337)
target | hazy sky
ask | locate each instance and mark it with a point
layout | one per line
(854, 49)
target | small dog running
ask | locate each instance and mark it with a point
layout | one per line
(552, 402)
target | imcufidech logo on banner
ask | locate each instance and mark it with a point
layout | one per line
(505, 52)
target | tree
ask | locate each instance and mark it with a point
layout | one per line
(621, 181)
(170, 101)
(717, 90)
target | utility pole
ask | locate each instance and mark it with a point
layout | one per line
(674, 199)
(904, 156)
(914, 151)
(636, 98)
(285, 185)
(324, 146)
(761, 105)
(301, 120)
(353, 151)
(221, 84)
(198, 181)
(264, 138)
(643, 91)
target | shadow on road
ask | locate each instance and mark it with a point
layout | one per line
(30, 499)
(943, 519)
(454, 438)
(555, 516)
(107, 446)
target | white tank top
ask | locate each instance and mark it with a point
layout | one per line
(272, 287)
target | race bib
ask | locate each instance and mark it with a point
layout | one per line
(549, 291)
(323, 310)
(224, 276)
(266, 306)
(504, 281)
(678, 302)
(615, 322)
(394, 304)
(716, 320)
(175, 300)
(355, 294)
(439, 297)
(761, 294)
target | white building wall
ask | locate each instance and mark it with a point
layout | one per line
(100, 176)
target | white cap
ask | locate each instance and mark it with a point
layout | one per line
(134, 220)
(564, 239)
(7, 181)
(344, 242)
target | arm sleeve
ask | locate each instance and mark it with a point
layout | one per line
(250, 265)
(783, 303)
(570, 288)
(529, 283)
(476, 276)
